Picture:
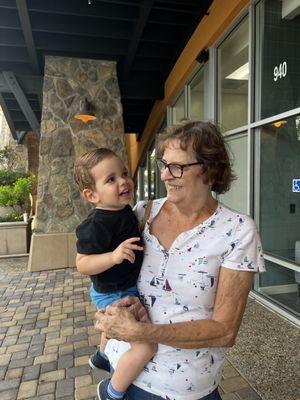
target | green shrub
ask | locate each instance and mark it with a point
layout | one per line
(11, 218)
(9, 177)
(17, 196)
(7, 198)
(22, 189)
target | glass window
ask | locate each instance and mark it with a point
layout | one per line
(278, 74)
(233, 72)
(281, 285)
(280, 187)
(161, 188)
(145, 183)
(159, 185)
(139, 191)
(178, 109)
(236, 197)
(152, 173)
(197, 97)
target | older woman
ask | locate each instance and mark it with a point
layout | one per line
(199, 262)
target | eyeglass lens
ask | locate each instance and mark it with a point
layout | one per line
(175, 170)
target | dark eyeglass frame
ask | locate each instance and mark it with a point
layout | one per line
(162, 164)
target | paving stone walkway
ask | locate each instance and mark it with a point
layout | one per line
(47, 336)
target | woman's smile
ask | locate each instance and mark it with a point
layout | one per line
(173, 187)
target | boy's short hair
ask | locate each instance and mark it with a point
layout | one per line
(82, 167)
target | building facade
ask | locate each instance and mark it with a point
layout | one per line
(247, 81)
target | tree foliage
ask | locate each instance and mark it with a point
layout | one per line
(9, 177)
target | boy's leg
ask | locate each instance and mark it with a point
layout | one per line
(128, 368)
(99, 359)
(103, 342)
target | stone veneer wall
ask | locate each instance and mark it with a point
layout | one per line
(66, 82)
(5, 135)
(6, 139)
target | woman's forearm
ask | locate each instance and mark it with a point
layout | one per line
(219, 331)
(186, 335)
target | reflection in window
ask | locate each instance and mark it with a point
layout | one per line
(233, 72)
(278, 74)
(279, 200)
(197, 97)
(139, 192)
(152, 177)
(160, 188)
(281, 285)
(145, 184)
(178, 109)
(236, 197)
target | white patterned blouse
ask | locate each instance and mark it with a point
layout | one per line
(180, 285)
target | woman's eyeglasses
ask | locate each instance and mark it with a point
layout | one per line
(176, 170)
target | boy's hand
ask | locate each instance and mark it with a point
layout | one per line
(125, 251)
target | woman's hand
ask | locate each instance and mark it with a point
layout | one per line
(135, 306)
(117, 323)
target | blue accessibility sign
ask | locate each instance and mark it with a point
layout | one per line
(296, 185)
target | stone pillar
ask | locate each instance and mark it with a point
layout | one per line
(59, 205)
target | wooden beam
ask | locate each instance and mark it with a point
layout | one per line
(29, 83)
(81, 8)
(145, 9)
(22, 100)
(141, 89)
(27, 32)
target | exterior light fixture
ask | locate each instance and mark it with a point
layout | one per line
(85, 114)
(203, 56)
(278, 124)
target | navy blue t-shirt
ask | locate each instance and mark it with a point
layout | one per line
(102, 232)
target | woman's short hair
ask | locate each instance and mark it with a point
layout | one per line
(83, 165)
(208, 145)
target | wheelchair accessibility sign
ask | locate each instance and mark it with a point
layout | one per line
(296, 185)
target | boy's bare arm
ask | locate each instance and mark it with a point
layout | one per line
(93, 264)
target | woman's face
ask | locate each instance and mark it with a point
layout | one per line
(190, 186)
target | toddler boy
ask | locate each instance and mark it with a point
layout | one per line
(107, 250)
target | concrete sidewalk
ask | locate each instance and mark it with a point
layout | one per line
(47, 336)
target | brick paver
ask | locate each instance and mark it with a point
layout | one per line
(47, 336)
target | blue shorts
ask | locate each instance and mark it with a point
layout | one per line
(102, 300)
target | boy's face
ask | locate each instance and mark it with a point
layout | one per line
(113, 185)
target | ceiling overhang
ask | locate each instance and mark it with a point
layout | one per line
(144, 37)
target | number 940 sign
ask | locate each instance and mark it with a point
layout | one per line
(280, 71)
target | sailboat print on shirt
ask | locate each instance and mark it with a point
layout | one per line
(206, 280)
(161, 282)
(167, 286)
